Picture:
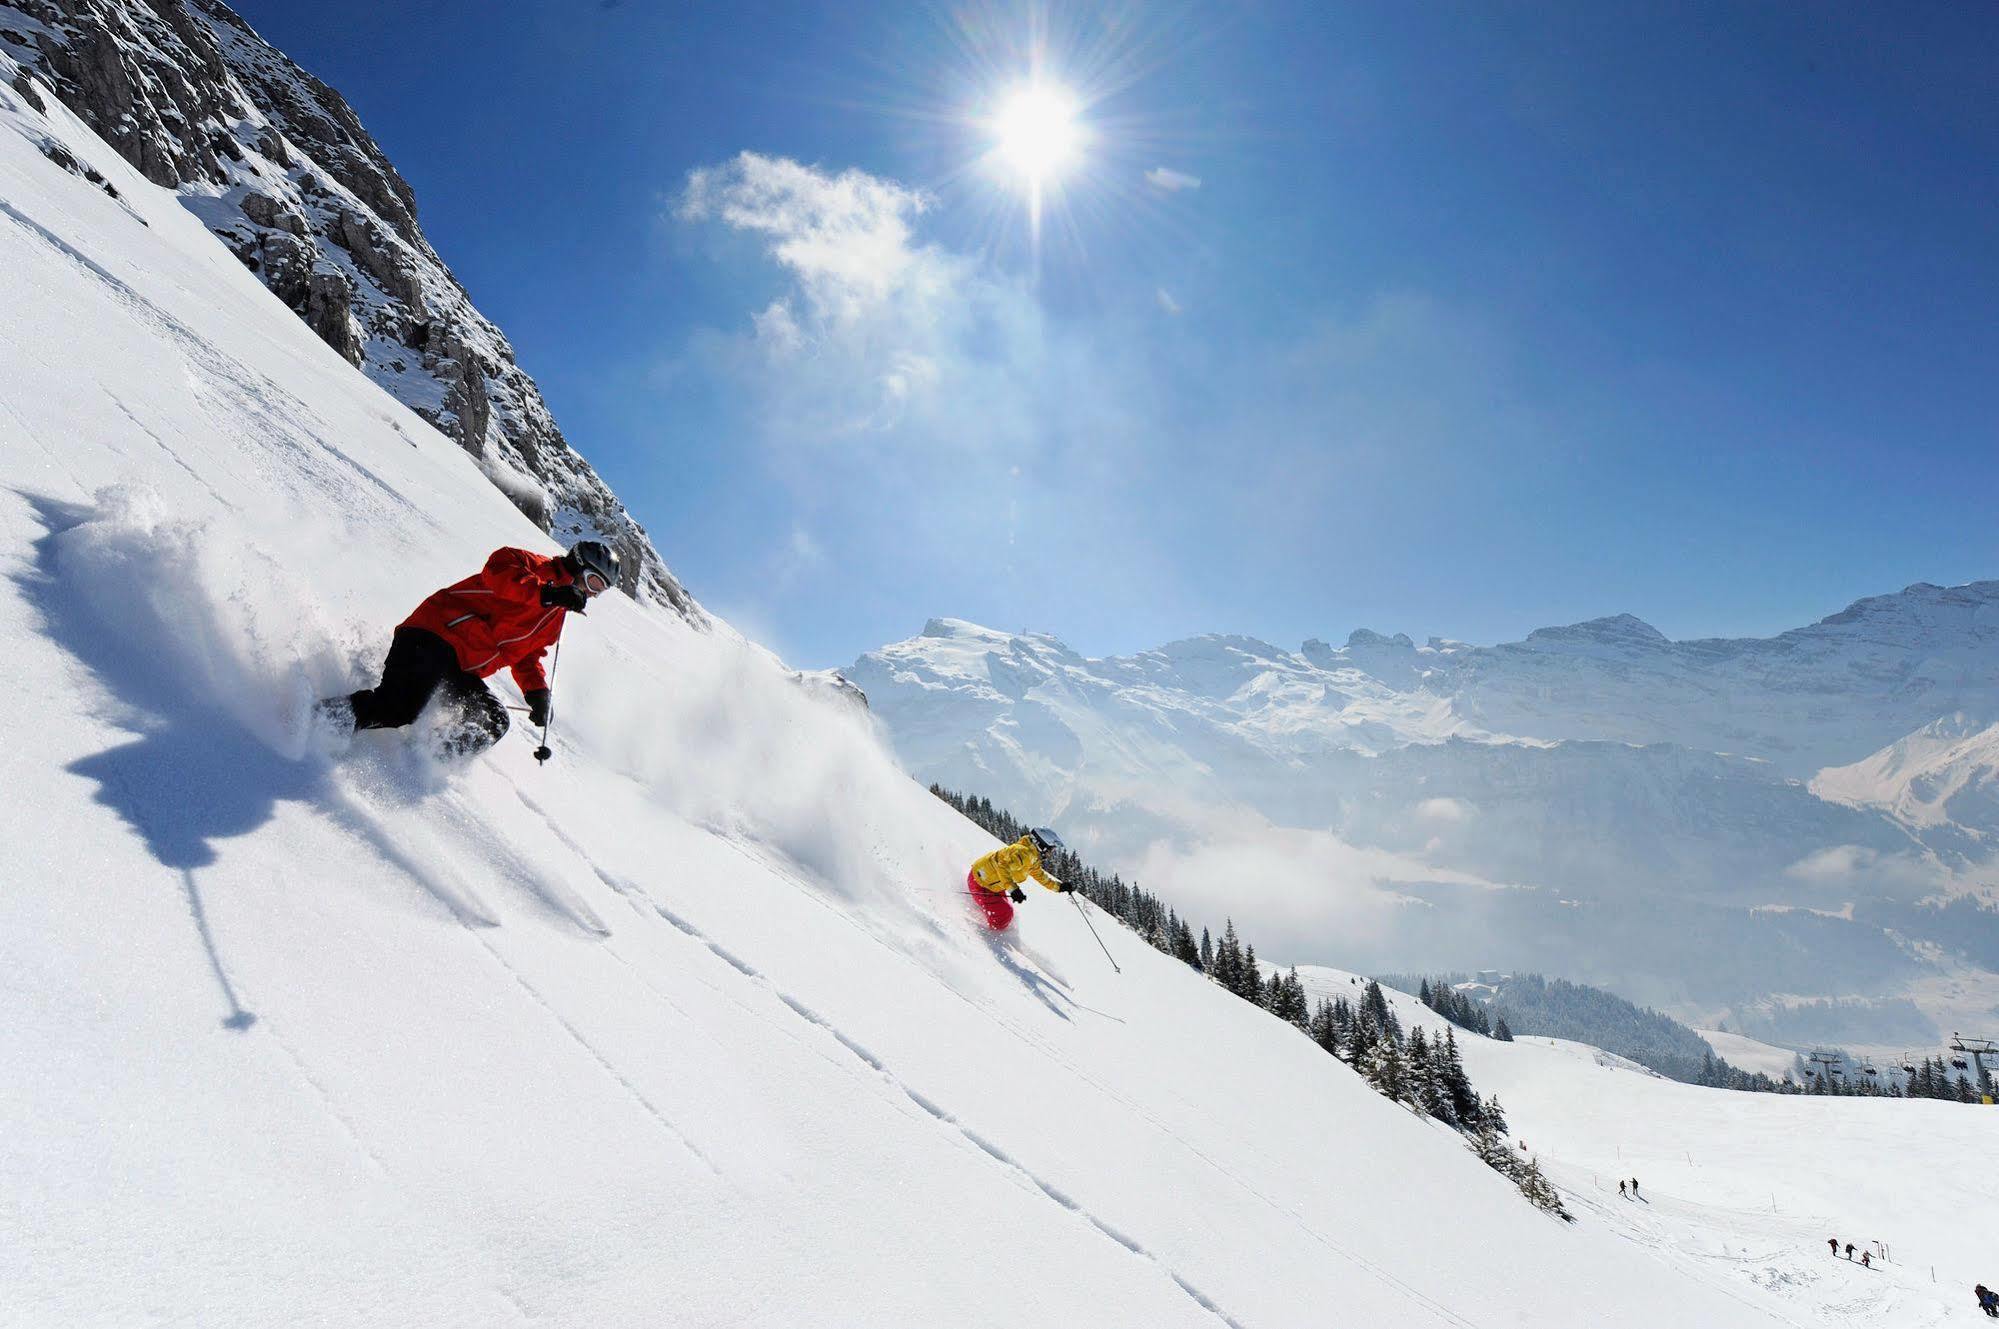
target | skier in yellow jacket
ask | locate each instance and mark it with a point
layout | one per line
(996, 879)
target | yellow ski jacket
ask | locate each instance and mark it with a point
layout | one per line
(1011, 865)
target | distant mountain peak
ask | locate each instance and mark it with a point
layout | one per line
(1912, 600)
(1368, 637)
(1620, 629)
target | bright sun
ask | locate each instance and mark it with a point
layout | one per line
(1036, 132)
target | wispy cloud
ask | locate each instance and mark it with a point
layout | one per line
(846, 237)
(1167, 302)
(1169, 181)
(878, 336)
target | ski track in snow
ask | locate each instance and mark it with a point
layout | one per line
(638, 1095)
(288, 423)
(1365, 1265)
(478, 919)
(938, 1113)
(875, 1064)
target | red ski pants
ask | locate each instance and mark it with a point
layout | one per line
(998, 909)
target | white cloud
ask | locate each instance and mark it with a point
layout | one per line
(879, 338)
(1444, 809)
(1850, 866)
(846, 237)
(1169, 181)
(1167, 302)
(1838, 863)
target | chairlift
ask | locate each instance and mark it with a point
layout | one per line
(1959, 1063)
(1868, 1070)
(1908, 1064)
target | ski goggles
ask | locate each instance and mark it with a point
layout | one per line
(594, 582)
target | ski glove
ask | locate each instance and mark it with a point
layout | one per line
(537, 706)
(1065, 887)
(1017, 895)
(568, 596)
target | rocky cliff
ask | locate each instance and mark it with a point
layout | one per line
(278, 166)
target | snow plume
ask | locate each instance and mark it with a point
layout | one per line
(731, 742)
(173, 607)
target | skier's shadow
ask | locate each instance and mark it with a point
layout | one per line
(190, 775)
(1043, 989)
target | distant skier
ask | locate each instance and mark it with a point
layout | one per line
(996, 879)
(1849, 1250)
(1833, 1242)
(1988, 1300)
(1866, 1259)
(504, 616)
(1620, 1190)
(1634, 1189)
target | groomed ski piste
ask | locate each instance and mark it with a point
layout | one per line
(1742, 1191)
(689, 1027)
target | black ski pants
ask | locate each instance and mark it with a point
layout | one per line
(420, 664)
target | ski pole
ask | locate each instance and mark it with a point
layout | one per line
(542, 753)
(1093, 930)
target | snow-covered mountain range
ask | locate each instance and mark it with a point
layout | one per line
(1700, 824)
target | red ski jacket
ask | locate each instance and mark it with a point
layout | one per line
(495, 620)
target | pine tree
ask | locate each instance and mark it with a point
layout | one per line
(1287, 1000)
(1324, 1029)
(1502, 1030)
(1541, 1192)
(1360, 1044)
(1251, 979)
(1207, 953)
(1227, 968)
(1489, 1143)
(1420, 1076)
(1466, 1110)
(1386, 1071)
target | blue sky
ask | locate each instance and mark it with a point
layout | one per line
(1452, 319)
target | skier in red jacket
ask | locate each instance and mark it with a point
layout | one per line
(505, 616)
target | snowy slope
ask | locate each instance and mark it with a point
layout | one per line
(1741, 1191)
(686, 1028)
(1752, 1054)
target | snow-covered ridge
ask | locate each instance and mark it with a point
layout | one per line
(1946, 773)
(278, 165)
(1599, 782)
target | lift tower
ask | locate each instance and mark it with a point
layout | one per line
(1978, 1049)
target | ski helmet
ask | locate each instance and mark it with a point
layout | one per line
(1045, 840)
(595, 564)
